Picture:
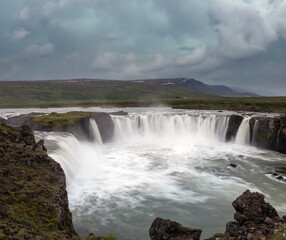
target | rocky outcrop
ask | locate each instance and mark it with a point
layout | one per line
(233, 125)
(33, 196)
(269, 133)
(33, 199)
(255, 219)
(76, 123)
(165, 229)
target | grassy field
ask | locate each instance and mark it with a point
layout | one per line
(125, 94)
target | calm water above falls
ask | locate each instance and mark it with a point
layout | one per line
(168, 163)
(162, 164)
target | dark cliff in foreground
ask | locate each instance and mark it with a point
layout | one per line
(34, 203)
(33, 196)
(255, 220)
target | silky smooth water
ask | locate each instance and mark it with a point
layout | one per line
(162, 163)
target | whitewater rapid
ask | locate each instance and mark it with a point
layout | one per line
(168, 164)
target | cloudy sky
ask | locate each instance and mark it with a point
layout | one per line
(239, 43)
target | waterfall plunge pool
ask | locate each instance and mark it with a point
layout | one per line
(168, 163)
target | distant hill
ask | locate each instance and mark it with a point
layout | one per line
(78, 91)
(200, 87)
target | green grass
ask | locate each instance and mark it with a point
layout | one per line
(109, 237)
(61, 120)
(126, 94)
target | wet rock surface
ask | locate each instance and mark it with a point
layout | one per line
(233, 125)
(269, 133)
(165, 229)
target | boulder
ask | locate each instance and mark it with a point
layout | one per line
(165, 229)
(233, 125)
(255, 219)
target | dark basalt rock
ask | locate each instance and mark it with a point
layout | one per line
(233, 125)
(76, 123)
(234, 165)
(269, 133)
(255, 219)
(165, 229)
(119, 113)
(33, 197)
(23, 119)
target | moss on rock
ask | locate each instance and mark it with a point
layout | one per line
(76, 123)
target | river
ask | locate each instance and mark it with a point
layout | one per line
(161, 162)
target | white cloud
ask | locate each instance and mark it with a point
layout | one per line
(244, 29)
(24, 14)
(19, 34)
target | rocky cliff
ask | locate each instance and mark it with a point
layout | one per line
(265, 132)
(269, 133)
(33, 197)
(76, 123)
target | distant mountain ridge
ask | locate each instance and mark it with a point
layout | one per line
(219, 90)
(88, 91)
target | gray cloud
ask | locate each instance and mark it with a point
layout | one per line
(216, 41)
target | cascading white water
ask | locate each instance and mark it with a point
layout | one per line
(95, 131)
(243, 133)
(254, 132)
(162, 165)
(212, 127)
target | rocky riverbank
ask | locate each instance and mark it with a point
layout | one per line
(34, 203)
(265, 132)
(255, 220)
(33, 196)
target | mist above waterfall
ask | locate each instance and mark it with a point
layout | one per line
(162, 163)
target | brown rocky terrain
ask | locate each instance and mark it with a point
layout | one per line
(255, 220)
(33, 196)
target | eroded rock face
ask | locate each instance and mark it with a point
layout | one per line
(33, 199)
(282, 136)
(269, 133)
(76, 123)
(255, 219)
(233, 125)
(165, 229)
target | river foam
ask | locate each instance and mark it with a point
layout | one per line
(162, 163)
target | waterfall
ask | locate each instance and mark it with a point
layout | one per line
(243, 133)
(65, 153)
(213, 127)
(95, 131)
(254, 132)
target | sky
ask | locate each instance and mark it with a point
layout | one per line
(238, 43)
